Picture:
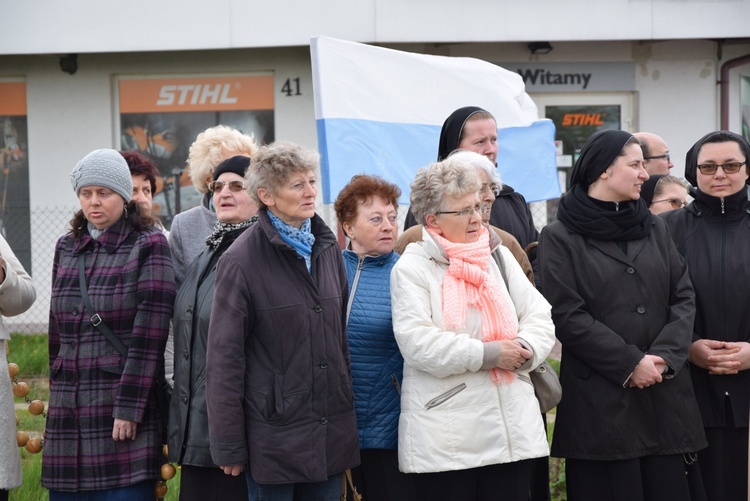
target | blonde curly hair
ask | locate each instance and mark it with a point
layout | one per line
(211, 147)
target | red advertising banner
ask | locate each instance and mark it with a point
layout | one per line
(161, 117)
(160, 95)
(12, 98)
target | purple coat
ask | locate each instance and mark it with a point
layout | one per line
(131, 285)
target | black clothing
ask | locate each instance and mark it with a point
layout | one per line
(649, 187)
(599, 152)
(715, 242)
(189, 442)
(601, 220)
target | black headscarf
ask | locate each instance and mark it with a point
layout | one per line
(649, 187)
(450, 134)
(620, 221)
(719, 136)
(600, 150)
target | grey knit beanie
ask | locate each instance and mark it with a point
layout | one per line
(103, 168)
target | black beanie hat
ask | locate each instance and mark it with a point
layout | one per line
(237, 164)
(597, 154)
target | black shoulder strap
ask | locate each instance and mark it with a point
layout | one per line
(96, 320)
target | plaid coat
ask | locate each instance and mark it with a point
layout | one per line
(131, 286)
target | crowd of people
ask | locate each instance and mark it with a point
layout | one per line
(405, 360)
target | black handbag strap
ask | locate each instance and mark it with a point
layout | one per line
(96, 320)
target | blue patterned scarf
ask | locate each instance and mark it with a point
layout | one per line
(300, 239)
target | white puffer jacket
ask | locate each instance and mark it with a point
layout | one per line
(453, 417)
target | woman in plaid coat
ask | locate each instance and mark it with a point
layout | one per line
(103, 431)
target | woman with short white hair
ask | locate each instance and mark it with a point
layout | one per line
(469, 420)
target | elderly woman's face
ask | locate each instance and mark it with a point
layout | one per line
(375, 229)
(460, 221)
(142, 192)
(101, 206)
(232, 201)
(295, 200)
(669, 197)
(486, 193)
(720, 184)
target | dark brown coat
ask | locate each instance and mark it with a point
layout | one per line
(279, 386)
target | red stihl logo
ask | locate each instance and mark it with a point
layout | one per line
(195, 94)
(570, 119)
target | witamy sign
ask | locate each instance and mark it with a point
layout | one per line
(575, 77)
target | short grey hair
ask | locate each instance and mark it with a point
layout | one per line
(211, 147)
(433, 183)
(478, 162)
(272, 165)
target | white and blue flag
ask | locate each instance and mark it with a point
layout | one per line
(379, 111)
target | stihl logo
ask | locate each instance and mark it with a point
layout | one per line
(195, 94)
(582, 119)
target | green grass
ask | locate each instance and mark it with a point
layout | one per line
(30, 353)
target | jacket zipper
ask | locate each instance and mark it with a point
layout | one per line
(360, 266)
(394, 380)
(444, 397)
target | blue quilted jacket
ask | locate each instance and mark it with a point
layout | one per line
(377, 365)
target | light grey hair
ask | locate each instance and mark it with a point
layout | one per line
(662, 183)
(432, 184)
(272, 165)
(211, 147)
(479, 162)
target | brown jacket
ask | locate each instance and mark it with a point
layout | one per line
(414, 234)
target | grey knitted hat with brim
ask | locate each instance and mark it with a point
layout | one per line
(103, 168)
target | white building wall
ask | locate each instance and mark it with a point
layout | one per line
(70, 115)
(51, 26)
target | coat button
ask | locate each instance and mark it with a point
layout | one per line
(324, 365)
(630, 270)
(641, 310)
(324, 420)
(184, 400)
(187, 355)
(75, 311)
(317, 308)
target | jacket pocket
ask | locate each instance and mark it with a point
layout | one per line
(444, 397)
(113, 364)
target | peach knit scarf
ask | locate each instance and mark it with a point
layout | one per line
(466, 282)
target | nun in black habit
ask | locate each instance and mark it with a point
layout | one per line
(623, 308)
(509, 211)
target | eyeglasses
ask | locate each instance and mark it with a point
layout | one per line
(491, 187)
(479, 208)
(729, 168)
(656, 157)
(676, 203)
(217, 186)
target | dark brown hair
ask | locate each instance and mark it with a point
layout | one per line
(135, 215)
(141, 165)
(361, 188)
